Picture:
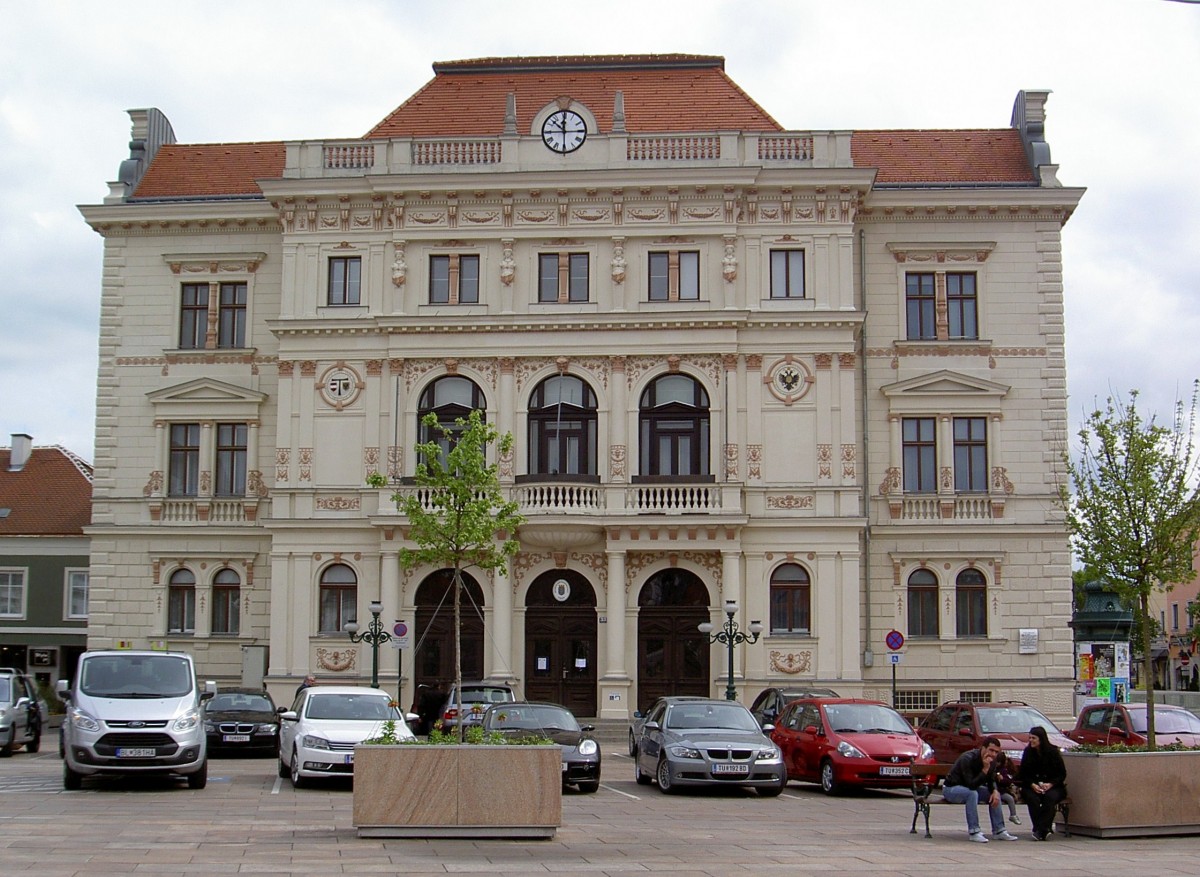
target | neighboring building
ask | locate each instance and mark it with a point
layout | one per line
(45, 504)
(820, 373)
(1177, 611)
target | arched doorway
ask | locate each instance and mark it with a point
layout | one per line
(672, 653)
(433, 655)
(560, 641)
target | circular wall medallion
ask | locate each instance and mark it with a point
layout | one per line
(340, 386)
(789, 380)
(561, 590)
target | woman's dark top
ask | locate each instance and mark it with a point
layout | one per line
(1042, 765)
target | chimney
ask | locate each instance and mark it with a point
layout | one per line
(22, 446)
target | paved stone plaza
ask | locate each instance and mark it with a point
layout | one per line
(250, 822)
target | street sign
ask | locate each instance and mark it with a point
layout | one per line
(894, 657)
(401, 635)
(894, 640)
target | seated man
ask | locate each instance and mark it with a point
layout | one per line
(972, 777)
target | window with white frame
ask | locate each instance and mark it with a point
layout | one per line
(76, 598)
(12, 593)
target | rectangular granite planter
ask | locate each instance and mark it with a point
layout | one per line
(457, 791)
(1132, 794)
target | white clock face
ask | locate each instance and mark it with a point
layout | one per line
(564, 131)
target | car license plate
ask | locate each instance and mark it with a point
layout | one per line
(136, 752)
(235, 738)
(350, 758)
(893, 771)
(730, 768)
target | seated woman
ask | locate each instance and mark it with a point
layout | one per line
(1043, 779)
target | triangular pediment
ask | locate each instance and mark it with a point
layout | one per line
(945, 383)
(205, 391)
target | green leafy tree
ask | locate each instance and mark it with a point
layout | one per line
(458, 516)
(1133, 509)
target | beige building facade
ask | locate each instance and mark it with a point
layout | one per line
(818, 373)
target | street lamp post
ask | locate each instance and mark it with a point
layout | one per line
(374, 636)
(731, 636)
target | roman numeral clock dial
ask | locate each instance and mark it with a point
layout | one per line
(564, 131)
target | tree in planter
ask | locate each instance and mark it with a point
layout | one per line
(458, 516)
(1134, 512)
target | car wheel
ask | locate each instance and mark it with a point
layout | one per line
(297, 780)
(35, 742)
(284, 770)
(199, 779)
(640, 778)
(773, 791)
(664, 777)
(72, 781)
(829, 785)
(6, 748)
(589, 787)
(632, 743)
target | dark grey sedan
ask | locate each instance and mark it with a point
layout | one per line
(580, 751)
(690, 742)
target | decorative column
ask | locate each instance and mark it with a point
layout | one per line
(502, 625)
(615, 684)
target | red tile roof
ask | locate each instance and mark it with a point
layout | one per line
(50, 496)
(208, 169)
(663, 93)
(931, 156)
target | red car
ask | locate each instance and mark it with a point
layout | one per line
(957, 726)
(1108, 723)
(843, 742)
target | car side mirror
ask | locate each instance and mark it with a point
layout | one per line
(652, 726)
(63, 689)
(209, 692)
(812, 729)
(288, 716)
(965, 732)
(587, 727)
(1120, 732)
(638, 714)
(768, 728)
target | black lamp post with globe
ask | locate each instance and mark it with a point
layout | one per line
(730, 635)
(374, 636)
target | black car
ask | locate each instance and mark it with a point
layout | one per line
(242, 720)
(770, 702)
(580, 751)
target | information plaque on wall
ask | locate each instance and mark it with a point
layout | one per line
(1028, 641)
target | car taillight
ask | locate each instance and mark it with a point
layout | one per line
(450, 714)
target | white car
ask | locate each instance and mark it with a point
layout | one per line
(317, 735)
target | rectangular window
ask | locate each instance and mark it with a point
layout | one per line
(790, 609)
(339, 604)
(184, 464)
(193, 316)
(231, 459)
(971, 610)
(922, 610)
(453, 280)
(77, 593)
(920, 454)
(181, 609)
(970, 454)
(920, 303)
(962, 306)
(674, 276)
(1174, 616)
(225, 610)
(344, 275)
(12, 593)
(787, 273)
(918, 701)
(231, 315)
(563, 277)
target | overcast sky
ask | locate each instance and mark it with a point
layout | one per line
(1123, 121)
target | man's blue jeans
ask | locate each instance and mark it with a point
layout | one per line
(971, 797)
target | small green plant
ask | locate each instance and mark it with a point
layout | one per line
(376, 479)
(1116, 748)
(387, 735)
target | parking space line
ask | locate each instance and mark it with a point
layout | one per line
(619, 792)
(276, 786)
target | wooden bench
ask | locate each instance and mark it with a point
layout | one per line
(927, 782)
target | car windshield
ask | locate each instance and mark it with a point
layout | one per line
(136, 676)
(231, 702)
(352, 707)
(866, 718)
(1013, 720)
(711, 716)
(789, 696)
(527, 717)
(1166, 721)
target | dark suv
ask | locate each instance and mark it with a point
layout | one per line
(955, 727)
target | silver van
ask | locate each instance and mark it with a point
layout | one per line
(134, 712)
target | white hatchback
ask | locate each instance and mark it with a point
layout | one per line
(318, 734)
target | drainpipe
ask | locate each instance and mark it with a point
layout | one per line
(868, 656)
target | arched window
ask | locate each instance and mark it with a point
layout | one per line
(970, 595)
(338, 598)
(181, 602)
(674, 427)
(791, 600)
(450, 398)
(226, 602)
(562, 427)
(922, 603)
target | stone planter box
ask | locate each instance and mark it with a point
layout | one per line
(457, 791)
(1133, 794)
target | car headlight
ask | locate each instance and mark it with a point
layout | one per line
(210, 728)
(926, 750)
(265, 729)
(684, 752)
(187, 721)
(312, 742)
(588, 747)
(769, 753)
(847, 751)
(82, 720)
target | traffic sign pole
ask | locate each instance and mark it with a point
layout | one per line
(894, 641)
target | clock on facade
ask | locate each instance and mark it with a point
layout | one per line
(564, 131)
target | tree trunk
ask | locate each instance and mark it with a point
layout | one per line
(1148, 662)
(458, 652)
